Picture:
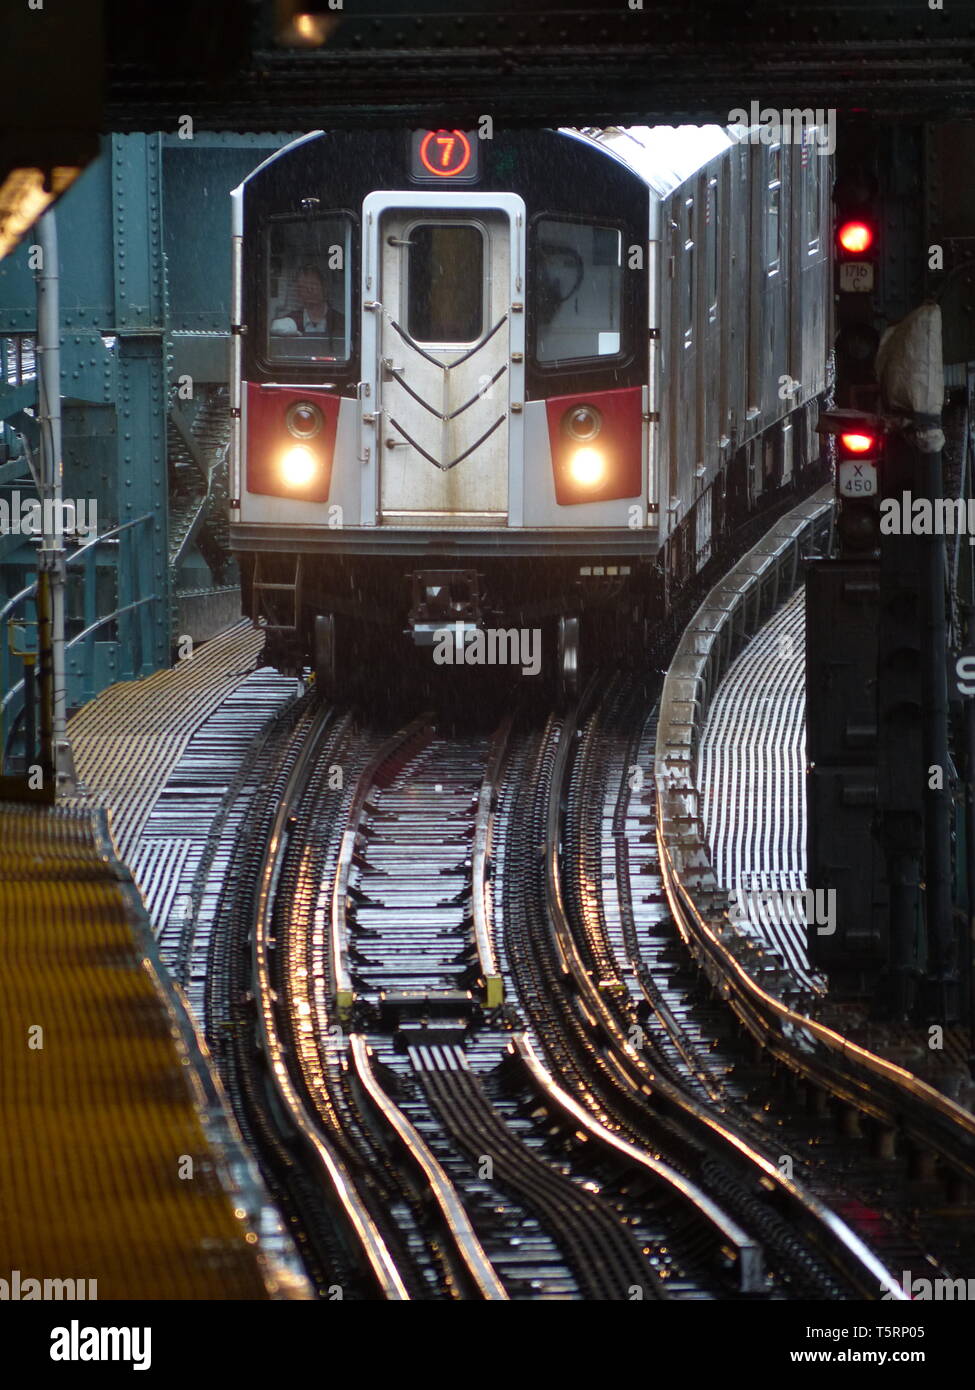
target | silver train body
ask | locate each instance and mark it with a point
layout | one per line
(531, 380)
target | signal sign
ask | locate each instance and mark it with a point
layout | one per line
(442, 156)
(860, 452)
(856, 277)
(964, 674)
(445, 153)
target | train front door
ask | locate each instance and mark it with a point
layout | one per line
(449, 287)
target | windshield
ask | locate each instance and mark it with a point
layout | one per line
(578, 291)
(309, 290)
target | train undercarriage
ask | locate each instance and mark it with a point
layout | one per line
(344, 603)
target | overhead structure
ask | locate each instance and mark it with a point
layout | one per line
(51, 71)
(304, 63)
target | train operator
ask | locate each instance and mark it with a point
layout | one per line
(313, 315)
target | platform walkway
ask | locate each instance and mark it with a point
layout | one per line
(120, 1163)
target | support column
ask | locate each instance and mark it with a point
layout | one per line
(57, 753)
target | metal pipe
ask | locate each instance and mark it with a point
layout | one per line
(30, 711)
(45, 650)
(51, 558)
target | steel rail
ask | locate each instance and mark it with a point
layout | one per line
(749, 1256)
(851, 1073)
(889, 1094)
(474, 1261)
(343, 987)
(455, 1218)
(333, 1171)
(842, 1245)
(481, 868)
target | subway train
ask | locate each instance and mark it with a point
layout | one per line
(497, 382)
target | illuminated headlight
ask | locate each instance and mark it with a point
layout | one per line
(587, 467)
(582, 422)
(298, 466)
(303, 419)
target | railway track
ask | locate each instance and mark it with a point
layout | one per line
(374, 992)
(482, 1070)
(689, 1033)
(415, 970)
(577, 1005)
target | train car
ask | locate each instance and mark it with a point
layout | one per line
(514, 383)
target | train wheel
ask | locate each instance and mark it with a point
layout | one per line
(568, 658)
(326, 670)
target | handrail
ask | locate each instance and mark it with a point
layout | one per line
(79, 636)
(70, 559)
(82, 554)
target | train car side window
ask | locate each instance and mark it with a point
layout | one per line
(714, 249)
(445, 283)
(578, 291)
(773, 212)
(689, 272)
(309, 289)
(811, 194)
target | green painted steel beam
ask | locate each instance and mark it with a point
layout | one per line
(145, 299)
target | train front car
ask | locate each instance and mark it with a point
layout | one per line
(508, 397)
(442, 379)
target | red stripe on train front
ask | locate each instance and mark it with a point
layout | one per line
(291, 441)
(596, 441)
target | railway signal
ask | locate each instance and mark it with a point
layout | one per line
(857, 252)
(855, 238)
(859, 477)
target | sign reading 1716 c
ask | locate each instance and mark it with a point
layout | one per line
(444, 156)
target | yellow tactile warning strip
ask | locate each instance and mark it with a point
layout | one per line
(98, 1124)
(127, 741)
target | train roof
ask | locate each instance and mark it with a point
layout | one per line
(664, 156)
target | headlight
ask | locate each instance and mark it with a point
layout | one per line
(582, 422)
(587, 467)
(298, 466)
(303, 419)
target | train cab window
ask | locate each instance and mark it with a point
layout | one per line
(773, 213)
(577, 291)
(445, 283)
(309, 290)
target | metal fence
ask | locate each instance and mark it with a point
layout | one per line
(121, 558)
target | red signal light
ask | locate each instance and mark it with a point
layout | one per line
(855, 238)
(857, 443)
